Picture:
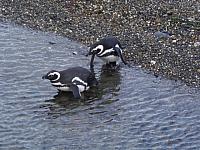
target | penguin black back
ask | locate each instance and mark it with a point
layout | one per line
(107, 42)
(84, 74)
(76, 79)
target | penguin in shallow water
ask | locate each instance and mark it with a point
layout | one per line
(76, 79)
(108, 49)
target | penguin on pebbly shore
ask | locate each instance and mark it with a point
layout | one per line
(76, 80)
(108, 49)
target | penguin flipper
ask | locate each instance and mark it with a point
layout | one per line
(92, 61)
(119, 52)
(75, 91)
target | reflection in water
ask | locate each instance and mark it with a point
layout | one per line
(61, 103)
(160, 114)
(109, 80)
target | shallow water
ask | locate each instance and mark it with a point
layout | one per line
(130, 109)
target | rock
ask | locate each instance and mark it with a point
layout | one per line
(196, 44)
(161, 34)
(153, 62)
(74, 53)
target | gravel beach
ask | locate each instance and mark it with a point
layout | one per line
(160, 36)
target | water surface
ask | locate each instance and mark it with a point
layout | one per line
(130, 109)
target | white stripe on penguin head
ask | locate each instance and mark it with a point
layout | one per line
(55, 73)
(98, 47)
(109, 50)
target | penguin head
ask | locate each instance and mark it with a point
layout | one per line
(52, 75)
(95, 49)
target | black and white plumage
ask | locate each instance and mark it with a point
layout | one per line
(76, 79)
(108, 49)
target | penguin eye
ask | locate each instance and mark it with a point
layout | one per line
(51, 76)
(98, 50)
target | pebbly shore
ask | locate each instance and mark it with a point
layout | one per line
(160, 36)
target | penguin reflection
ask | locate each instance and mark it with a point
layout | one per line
(109, 80)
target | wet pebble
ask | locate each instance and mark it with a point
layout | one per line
(132, 22)
(161, 34)
(52, 43)
(153, 62)
(75, 53)
(196, 44)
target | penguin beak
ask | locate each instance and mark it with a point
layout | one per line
(44, 77)
(89, 53)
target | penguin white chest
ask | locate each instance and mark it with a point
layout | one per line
(60, 86)
(64, 88)
(110, 58)
(67, 89)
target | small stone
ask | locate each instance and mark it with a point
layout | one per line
(191, 19)
(74, 53)
(161, 34)
(153, 62)
(196, 44)
(169, 13)
(95, 6)
(68, 30)
(174, 41)
(52, 43)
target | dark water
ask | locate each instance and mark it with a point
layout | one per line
(130, 109)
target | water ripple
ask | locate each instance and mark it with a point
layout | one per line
(130, 109)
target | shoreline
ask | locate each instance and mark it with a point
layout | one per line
(162, 37)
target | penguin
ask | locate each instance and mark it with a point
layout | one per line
(108, 49)
(75, 79)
